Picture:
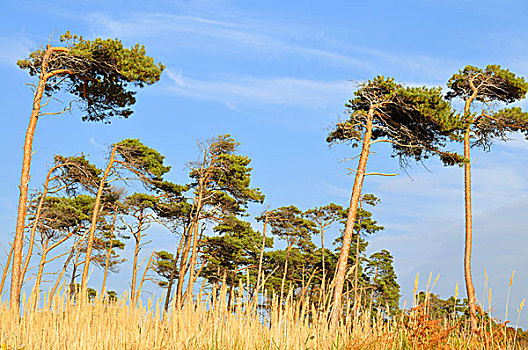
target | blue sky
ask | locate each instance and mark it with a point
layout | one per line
(276, 75)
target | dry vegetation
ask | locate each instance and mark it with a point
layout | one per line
(101, 324)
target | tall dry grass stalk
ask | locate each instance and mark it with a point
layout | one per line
(209, 323)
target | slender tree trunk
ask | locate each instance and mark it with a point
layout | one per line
(103, 288)
(6, 268)
(35, 224)
(173, 274)
(261, 258)
(283, 282)
(193, 262)
(95, 215)
(183, 265)
(323, 281)
(138, 295)
(469, 235)
(74, 272)
(57, 282)
(18, 243)
(356, 265)
(137, 236)
(339, 278)
(36, 288)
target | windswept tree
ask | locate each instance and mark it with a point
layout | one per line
(220, 188)
(60, 218)
(324, 217)
(410, 119)
(288, 224)
(385, 288)
(480, 124)
(231, 252)
(67, 175)
(98, 74)
(132, 157)
(141, 207)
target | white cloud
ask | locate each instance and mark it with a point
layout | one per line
(265, 35)
(310, 94)
(14, 50)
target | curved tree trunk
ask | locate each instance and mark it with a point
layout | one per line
(183, 265)
(193, 262)
(137, 237)
(339, 278)
(138, 295)
(469, 235)
(173, 274)
(356, 267)
(18, 243)
(261, 258)
(6, 269)
(36, 288)
(95, 216)
(103, 288)
(35, 224)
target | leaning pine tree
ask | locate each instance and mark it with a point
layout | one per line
(479, 125)
(411, 119)
(96, 71)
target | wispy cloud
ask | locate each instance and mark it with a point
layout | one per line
(310, 94)
(14, 49)
(266, 35)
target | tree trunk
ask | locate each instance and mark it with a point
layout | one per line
(95, 215)
(173, 274)
(183, 265)
(6, 269)
(36, 288)
(138, 295)
(283, 282)
(137, 236)
(323, 281)
(16, 283)
(193, 262)
(103, 288)
(74, 271)
(339, 278)
(469, 235)
(35, 224)
(356, 265)
(261, 258)
(57, 282)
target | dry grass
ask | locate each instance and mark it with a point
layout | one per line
(208, 324)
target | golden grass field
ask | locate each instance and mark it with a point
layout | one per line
(209, 324)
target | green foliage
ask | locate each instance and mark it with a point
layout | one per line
(235, 249)
(65, 213)
(142, 160)
(77, 173)
(438, 308)
(413, 120)
(488, 86)
(163, 265)
(111, 295)
(222, 179)
(491, 84)
(381, 272)
(97, 71)
(326, 215)
(288, 223)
